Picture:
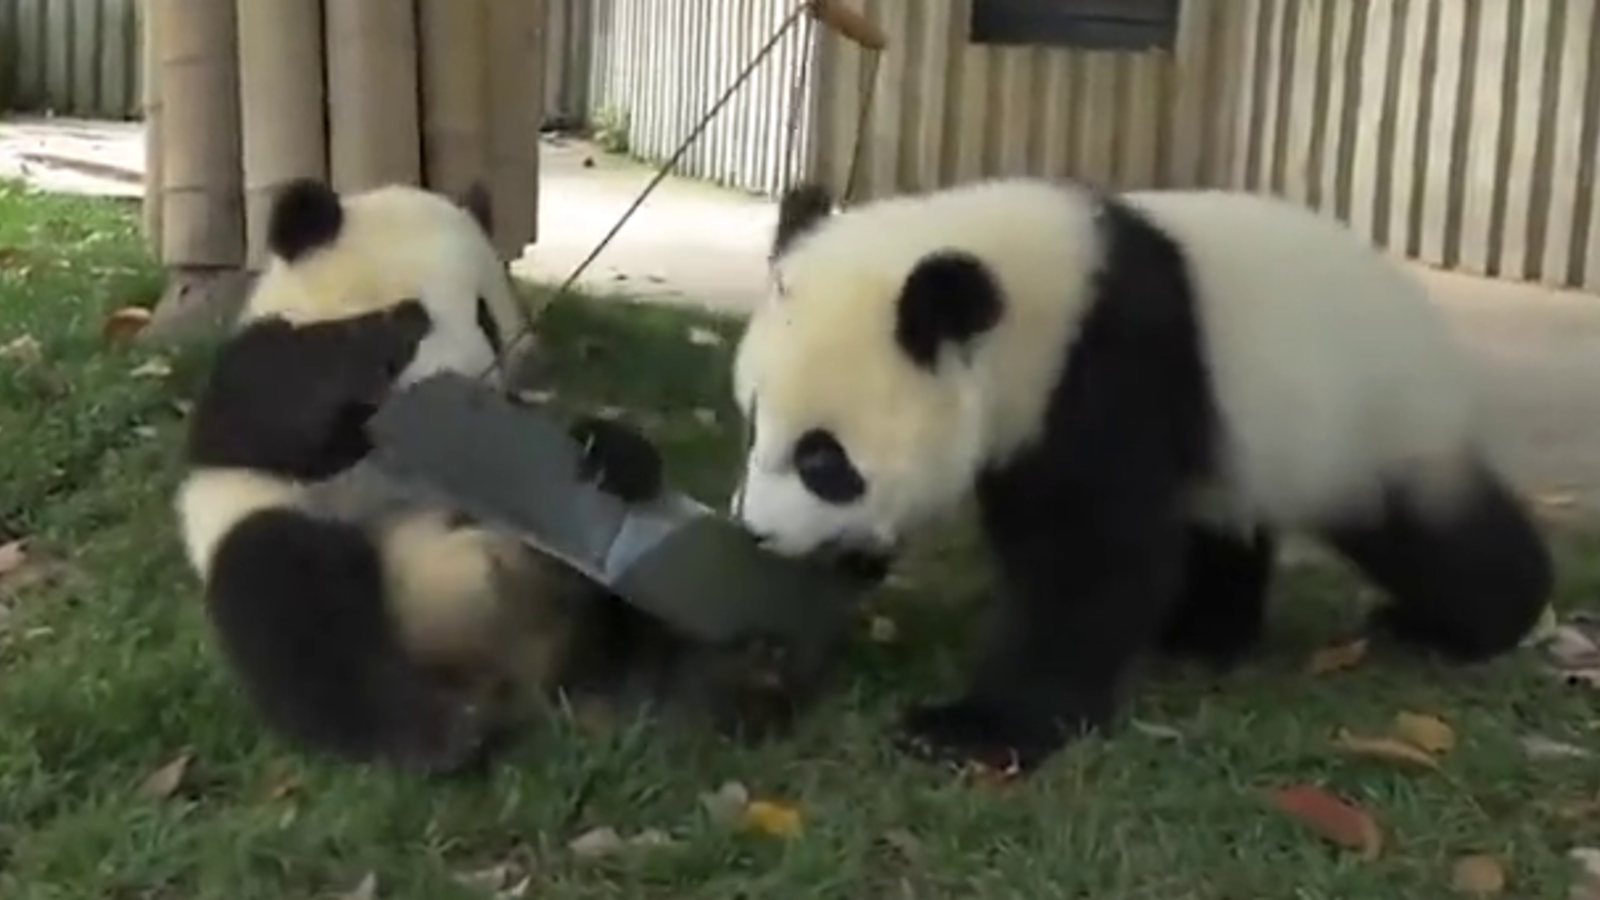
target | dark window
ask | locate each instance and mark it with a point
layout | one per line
(1089, 24)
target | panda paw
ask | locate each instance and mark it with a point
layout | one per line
(973, 732)
(455, 741)
(619, 460)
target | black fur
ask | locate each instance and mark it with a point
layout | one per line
(799, 210)
(490, 328)
(294, 400)
(1221, 612)
(1084, 524)
(1469, 585)
(947, 300)
(618, 459)
(299, 606)
(306, 215)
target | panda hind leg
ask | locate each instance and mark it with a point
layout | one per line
(1221, 613)
(1468, 583)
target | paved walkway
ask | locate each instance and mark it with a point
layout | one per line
(695, 243)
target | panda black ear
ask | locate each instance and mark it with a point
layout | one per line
(799, 210)
(949, 299)
(306, 215)
(475, 200)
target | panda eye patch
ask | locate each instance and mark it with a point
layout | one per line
(825, 469)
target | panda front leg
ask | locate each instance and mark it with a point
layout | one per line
(1079, 604)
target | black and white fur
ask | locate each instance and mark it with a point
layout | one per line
(1142, 391)
(361, 620)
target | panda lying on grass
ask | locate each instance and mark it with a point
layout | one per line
(360, 620)
(1142, 391)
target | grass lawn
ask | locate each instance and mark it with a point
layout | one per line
(106, 677)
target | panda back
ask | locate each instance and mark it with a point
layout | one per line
(1331, 370)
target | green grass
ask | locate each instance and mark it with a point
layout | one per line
(106, 674)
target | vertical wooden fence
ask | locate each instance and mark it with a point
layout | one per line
(70, 57)
(652, 68)
(1464, 133)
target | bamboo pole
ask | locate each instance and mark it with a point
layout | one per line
(150, 109)
(372, 94)
(202, 217)
(515, 58)
(282, 104)
(455, 93)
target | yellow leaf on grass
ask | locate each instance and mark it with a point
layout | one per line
(13, 556)
(367, 889)
(165, 781)
(1426, 732)
(122, 325)
(1478, 874)
(1385, 748)
(772, 819)
(1338, 657)
(1335, 820)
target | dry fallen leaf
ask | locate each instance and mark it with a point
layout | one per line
(536, 398)
(1335, 820)
(1573, 810)
(154, 367)
(1338, 657)
(165, 781)
(13, 556)
(903, 843)
(22, 350)
(494, 878)
(367, 889)
(122, 325)
(1153, 730)
(597, 842)
(1384, 748)
(706, 417)
(883, 630)
(704, 337)
(1425, 732)
(727, 804)
(772, 819)
(1570, 646)
(1587, 886)
(1540, 747)
(1478, 874)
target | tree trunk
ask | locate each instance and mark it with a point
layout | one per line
(202, 190)
(150, 106)
(515, 53)
(455, 97)
(374, 136)
(282, 105)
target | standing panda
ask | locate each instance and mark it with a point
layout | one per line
(361, 620)
(1141, 391)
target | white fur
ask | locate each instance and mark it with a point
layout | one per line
(210, 502)
(1329, 365)
(400, 242)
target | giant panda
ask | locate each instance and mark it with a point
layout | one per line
(1142, 392)
(362, 619)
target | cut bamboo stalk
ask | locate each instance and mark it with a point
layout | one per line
(202, 217)
(374, 134)
(282, 104)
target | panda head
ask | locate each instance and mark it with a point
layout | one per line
(863, 376)
(362, 293)
(338, 258)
